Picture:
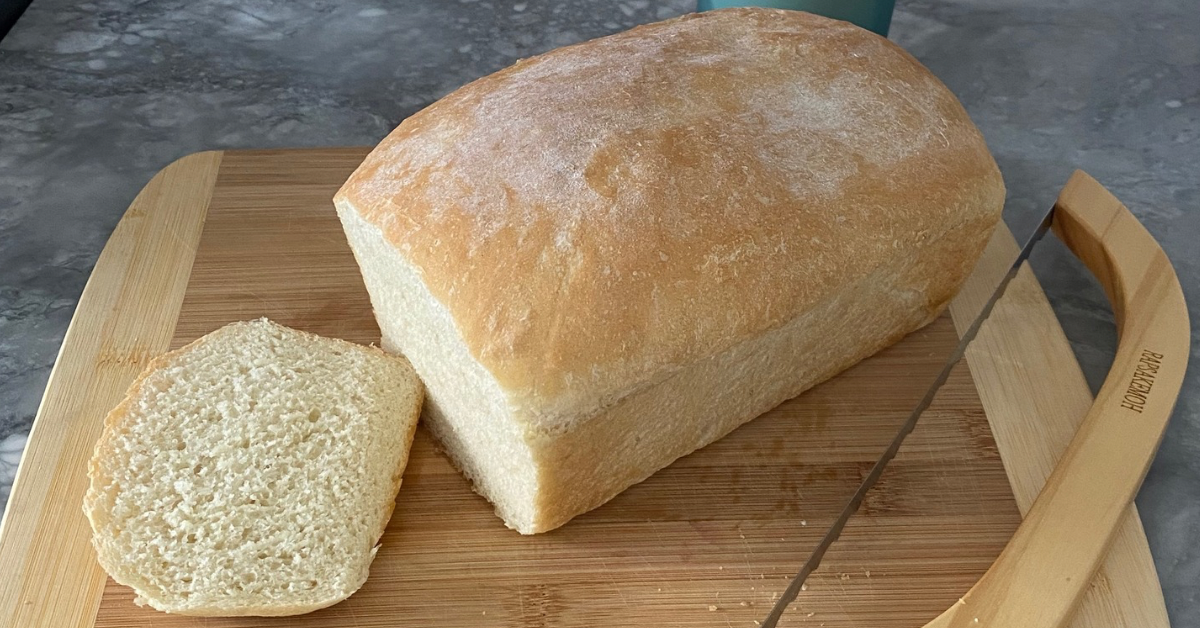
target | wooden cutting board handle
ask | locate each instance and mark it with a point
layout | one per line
(1049, 563)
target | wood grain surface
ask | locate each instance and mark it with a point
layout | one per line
(126, 315)
(708, 541)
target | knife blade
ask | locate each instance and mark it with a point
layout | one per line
(839, 524)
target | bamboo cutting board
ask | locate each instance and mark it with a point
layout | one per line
(709, 541)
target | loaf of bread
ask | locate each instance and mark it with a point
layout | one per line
(605, 257)
(252, 472)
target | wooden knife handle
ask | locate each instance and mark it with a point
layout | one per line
(1043, 572)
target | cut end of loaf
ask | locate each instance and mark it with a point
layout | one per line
(252, 472)
(466, 411)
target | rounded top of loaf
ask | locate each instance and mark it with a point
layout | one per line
(598, 216)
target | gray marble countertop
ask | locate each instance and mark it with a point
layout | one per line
(96, 97)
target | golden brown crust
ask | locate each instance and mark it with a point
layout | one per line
(584, 467)
(600, 216)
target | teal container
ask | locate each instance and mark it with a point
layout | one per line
(873, 15)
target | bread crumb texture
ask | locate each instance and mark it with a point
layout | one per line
(252, 472)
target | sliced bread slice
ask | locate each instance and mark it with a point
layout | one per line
(252, 472)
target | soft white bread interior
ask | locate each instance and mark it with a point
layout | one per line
(610, 255)
(252, 472)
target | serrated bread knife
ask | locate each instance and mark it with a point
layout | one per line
(1043, 572)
